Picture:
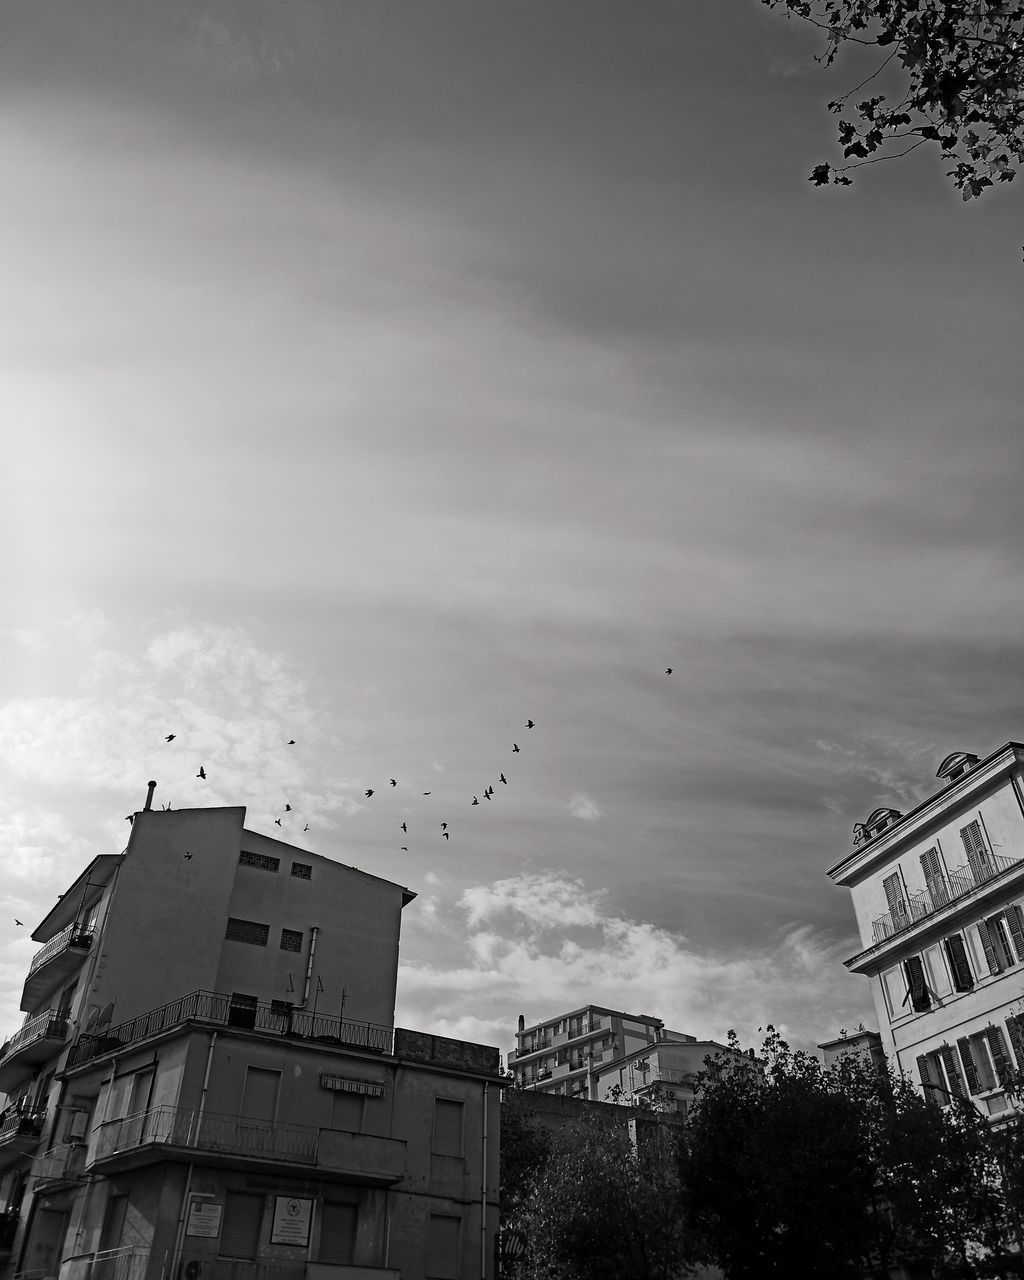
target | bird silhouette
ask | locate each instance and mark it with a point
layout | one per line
(306, 827)
(170, 737)
(530, 724)
(287, 808)
(487, 795)
(447, 835)
(202, 772)
(475, 801)
(188, 856)
(444, 826)
(502, 778)
(405, 848)
(290, 742)
(668, 671)
(515, 748)
(130, 817)
(393, 781)
(404, 827)
(368, 792)
(426, 793)
(277, 822)
(18, 922)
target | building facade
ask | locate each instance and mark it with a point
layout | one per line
(939, 898)
(662, 1074)
(209, 1082)
(565, 1054)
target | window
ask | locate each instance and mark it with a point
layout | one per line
(1015, 1030)
(443, 1239)
(259, 1094)
(985, 1061)
(240, 1231)
(302, 870)
(259, 860)
(247, 931)
(337, 1232)
(934, 879)
(447, 1127)
(893, 886)
(940, 1076)
(347, 1111)
(241, 1010)
(291, 939)
(1002, 939)
(978, 857)
(959, 965)
(917, 986)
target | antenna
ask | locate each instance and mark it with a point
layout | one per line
(104, 1016)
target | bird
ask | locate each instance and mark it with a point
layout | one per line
(277, 822)
(502, 778)
(393, 781)
(404, 827)
(487, 795)
(515, 748)
(444, 826)
(530, 724)
(170, 737)
(368, 792)
(475, 801)
(129, 817)
(188, 856)
(447, 835)
(668, 671)
(290, 742)
(425, 793)
(202, 772)
(306, 827)
(19, 922)
(287, 808)
(405, 848)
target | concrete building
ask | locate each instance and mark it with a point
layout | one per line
(209, 1082)
(662, 1073)
(565, 1054)
(938, 894)
(862, 1043)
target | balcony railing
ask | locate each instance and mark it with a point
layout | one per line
(18, 1123)
(75, 935)
(51, 1022)
(209, 1008)
(65, 1163)
(231, 1135)
(133, 1263)
(960, 882)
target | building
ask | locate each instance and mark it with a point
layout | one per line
(938, 895)
(862, 1043)
(663, 1073)
(209, 1082)
(565, 1054)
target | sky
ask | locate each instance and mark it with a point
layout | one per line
(385, 375)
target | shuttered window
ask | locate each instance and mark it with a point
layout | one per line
(337, 1233)
(443, 1238)
(893, 887)
(1000, 1058)
(240, 1231)
(447, 1127)
(934, 879)
(954, 1080)
(959, 965)
(977, 853)
(993, 957)
(1015, 1030)
(933, 1091)
(1014, 918)
(970, 1069)
(920, 999)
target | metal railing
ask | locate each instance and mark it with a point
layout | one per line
(75, 935)
(16, 1121)
(960, 882)
(65, 1163)
(51, 1022)
(211, 1008)
(233, 1135)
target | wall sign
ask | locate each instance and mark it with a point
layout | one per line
(292, 1218)
(204, 1219)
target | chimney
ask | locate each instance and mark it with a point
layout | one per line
(522, 1024)
(149, 797)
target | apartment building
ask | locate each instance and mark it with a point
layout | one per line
(565, 1054)
(209, 1083)
(663, 1073)
(938, 895)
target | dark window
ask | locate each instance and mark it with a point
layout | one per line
(443, 1235)
(1015, 1027)
(240, 1233)
(337, 1233)
(447, 1127)
(303, 870)
(247, 931)
(291, 939)
(241, 1010)
(920, 999)
(258, 860)
(959, 965)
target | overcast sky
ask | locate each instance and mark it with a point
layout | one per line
(384, 374)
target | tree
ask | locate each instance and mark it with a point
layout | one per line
(795, 1169)
(603, 1207)
(961, 90)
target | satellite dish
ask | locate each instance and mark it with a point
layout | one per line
(104, 1016)
(93, 1018)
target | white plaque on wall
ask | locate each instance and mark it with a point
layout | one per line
(292, 1217)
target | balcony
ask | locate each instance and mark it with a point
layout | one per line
(960, 882)
(58, 1166)
(168, 1133)
(19, 1133)
(55, 963)
(39, 1039)
(208, 1008)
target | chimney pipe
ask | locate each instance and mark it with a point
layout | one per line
(149, 797)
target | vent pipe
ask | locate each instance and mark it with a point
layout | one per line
(149, 797)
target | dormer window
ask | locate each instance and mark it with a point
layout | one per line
(955, 765)
(879, 821)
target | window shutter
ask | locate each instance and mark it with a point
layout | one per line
(443, 1238)
(953, 1076)
(1015, 922)
(1000, 1060)
(893, 887)
(970, 1070)
(932, 1090)
(337, 1233)
(240, 1234)
(1015, 1028)
(934, 880)
(960, 966)
(977, 853)
(991, 959)
(919, 997)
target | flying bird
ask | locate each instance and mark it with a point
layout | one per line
(447, 835)
(502, 778)
(404, 827)
(405, 848)
(201, 773)
(290, 742)
(425, 793)
(368, 792)
(306, 827)
(129, 817)
(277, 822)
(19, 922)
(515, 748)
(668, 671)
(530, 724)
(287, 808)
(475, 801)
(170, 737)
(188, 856)
(393, 781)
(444, 826)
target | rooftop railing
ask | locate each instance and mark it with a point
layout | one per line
(960, 882)
(208, 1008)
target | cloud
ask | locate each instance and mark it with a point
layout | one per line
(540, 943)
(583, 806)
